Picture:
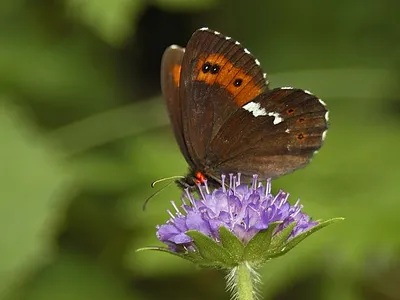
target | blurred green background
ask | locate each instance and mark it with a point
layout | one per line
(84, 131)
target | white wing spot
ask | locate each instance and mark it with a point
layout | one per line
(237, 43)
(246, 51)
(316, 152)
(287, 130)
(203, 28)
(255, 108)
(174, 47)
(324, 135)
(257, 62)
(327, 116)
(322, 102)
(307, 92)
(286, 88)
(227, 37)
(277, 117)
(265, 75)
(217, 33)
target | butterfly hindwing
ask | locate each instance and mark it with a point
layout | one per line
(171, 64)
(276, 133)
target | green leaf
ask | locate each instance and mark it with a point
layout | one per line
(293, 242)
(231, 243)
(258, 246)
(210, 249)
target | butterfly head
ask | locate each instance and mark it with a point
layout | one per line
(195, 178)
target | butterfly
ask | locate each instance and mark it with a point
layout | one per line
(226, 119)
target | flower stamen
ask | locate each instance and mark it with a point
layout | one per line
(230, 181)
(268, 187)
(178, 213)
(254, 182)
(171, 214)
(223, 177)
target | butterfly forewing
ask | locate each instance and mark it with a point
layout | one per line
(218, 76)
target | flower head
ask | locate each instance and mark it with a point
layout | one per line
(241, 224)
(242, 209)
(238, 229)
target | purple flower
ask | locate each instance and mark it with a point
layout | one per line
(242, 209)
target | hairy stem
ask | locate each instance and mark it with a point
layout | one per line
(241, 282)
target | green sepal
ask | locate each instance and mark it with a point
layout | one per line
(207, 264)
(211, 251)
(193, 257)
(279, 240)
(231, 243)
(256, 250)
(295, 241)
(262, 247)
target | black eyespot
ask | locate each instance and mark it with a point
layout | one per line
(206, 67)
(238, 82)
(215, 69)
(300, 136)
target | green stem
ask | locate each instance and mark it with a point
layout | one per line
(241, 281)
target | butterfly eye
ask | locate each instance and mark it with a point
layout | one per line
(238, 82)
(215, 69)
(206, 67)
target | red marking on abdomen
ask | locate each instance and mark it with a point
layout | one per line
(200, 178)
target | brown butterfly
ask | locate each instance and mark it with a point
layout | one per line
(227, 120)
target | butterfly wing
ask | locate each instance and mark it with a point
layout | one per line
(225, 118)
(274, 134)
(171, 63)
(218, 77)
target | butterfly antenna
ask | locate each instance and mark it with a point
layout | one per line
(153, 184)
